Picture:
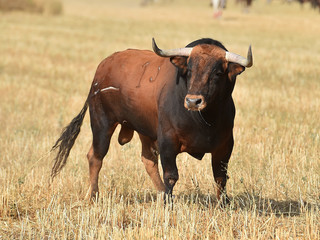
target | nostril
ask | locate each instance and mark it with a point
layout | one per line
(198, 101)
(193, 102)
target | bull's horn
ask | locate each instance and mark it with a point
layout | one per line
(183, 52)
(246, 62)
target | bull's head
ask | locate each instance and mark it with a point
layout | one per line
(210, 71)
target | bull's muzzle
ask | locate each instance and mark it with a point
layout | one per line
(194, 102)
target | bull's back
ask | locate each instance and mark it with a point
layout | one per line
(130, 84)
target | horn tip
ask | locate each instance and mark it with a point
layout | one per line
(249, 57)
(155, 48)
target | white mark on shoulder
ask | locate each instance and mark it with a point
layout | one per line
(109, 88)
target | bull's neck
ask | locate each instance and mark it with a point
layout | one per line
(219, 112)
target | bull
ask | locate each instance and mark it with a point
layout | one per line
(177, 100)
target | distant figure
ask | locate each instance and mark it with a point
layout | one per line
(314, 3)
(246, 4)
(218, 5)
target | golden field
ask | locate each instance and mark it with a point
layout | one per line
(47, 64)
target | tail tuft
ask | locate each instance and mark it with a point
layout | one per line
(66, 141)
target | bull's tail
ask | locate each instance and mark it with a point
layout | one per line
(66, 141)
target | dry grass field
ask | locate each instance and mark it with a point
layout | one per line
(47, 64)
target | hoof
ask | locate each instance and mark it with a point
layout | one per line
(224, 201)
(94, 196)
(168, 198)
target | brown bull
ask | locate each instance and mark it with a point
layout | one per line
(176, 100)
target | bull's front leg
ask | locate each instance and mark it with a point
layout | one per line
(168, 154)
(219, 161)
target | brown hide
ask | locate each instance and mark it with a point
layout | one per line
(139, 77)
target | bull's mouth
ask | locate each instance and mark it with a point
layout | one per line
(194, 102)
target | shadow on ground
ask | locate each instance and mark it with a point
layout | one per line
(243, 202)
(253, 202)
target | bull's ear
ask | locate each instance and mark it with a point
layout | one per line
(181, 63)
(234, 69)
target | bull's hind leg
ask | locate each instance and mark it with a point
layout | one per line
(149, 157)
(102, 130)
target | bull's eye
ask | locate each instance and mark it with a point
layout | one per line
(216, 74)
(219, 73)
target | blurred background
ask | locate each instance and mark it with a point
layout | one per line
(49, 51)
